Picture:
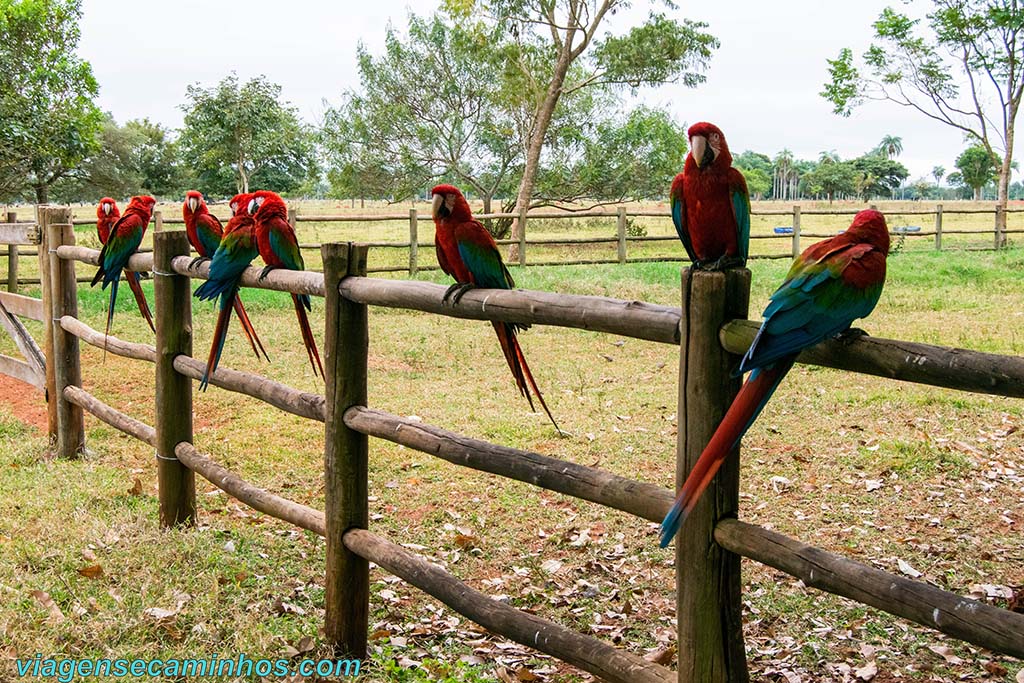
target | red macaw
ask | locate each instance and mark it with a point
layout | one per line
(107, 215)
(124, 238)
(204, 234)
(710, 202)
(280, 249)
(235, 251)
(831, 284)
(467, 252)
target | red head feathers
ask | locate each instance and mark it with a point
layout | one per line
(141, 204)
(869, 226)
(193, 203)
(449, 203)
(707, 147)
(267, 204)
(107, 208)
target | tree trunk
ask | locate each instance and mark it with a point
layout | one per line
(540, 129)
(243, 177)
(42, 194)
(1004, 181)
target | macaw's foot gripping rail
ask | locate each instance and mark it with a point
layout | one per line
(710, 330)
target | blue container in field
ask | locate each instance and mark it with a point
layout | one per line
(907, 228)
(783, 230)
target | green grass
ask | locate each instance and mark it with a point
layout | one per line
(939, 454)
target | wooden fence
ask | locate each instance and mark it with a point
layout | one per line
(711, 333)
(621, 239)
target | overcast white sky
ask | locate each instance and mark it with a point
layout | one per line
(762, 87)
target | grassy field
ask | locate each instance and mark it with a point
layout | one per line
(891, 474)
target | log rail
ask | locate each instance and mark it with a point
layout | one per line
(969, 620)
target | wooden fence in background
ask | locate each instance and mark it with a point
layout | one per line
(621, 238)
(711, 334)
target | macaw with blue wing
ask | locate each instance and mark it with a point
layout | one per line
(234, 253)
(831, 284)
(204, 233)
(710, 202)
(279, 248)
(123, 240)
(468, 253)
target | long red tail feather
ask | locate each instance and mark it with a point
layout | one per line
(520, 369)
(220, 333)
(140, 297)
(307, 336)
(248, 329)
(741, 414)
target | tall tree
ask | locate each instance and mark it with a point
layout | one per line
(978, 167)
(563, 35)
(247, 129)
(48, 122)
(890, 147)
(962, 67)
(938, 172)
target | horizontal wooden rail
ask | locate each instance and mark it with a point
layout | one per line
(112, 417)
(940, 366)
(139, 262)
(300, 515)
(644, 500)
(24, 306)
(587, 653)
(19, 233)
(627, 318)
(22, 371)
(279, 395)
(969, 620)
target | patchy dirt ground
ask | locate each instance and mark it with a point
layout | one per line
(24, 402)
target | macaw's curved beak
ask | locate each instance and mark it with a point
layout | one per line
(438, 209)
(193, 204)
(107, 208)
(701, 151)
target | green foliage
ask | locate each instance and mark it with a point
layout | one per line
(758, 182)
(247, 129)
(832, 177)
(138, 157)
(977, 167)
(48, 122)
(877, 175)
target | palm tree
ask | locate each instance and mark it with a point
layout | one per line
(782, 171)
(938, 172)
(829, 157)
(891, 146)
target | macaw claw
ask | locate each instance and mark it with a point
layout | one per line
(457, 291)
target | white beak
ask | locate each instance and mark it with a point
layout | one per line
(107, 208)
(192, 204)
(698, 144)
(435, 207)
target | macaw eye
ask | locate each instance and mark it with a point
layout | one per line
(715, 137)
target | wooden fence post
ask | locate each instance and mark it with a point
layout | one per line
(998, 229)
(67, 368)
(708, 599)
(346, 454)
(413, 242)
(522, 235)
(12, 258)
(938, 227)
(43, 220)
(796, 230)
(620, 226)
(177, 483)
(158, 221)
(293, 218)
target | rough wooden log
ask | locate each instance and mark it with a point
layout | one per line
(66, 361)
(42, 215)
(708, 590)
(112, 417)
(20, 370)
(413, 242)
(346, 453)
(969, 620)
(627, 318)
(644, 500)
(12, 258)
(301, 403)
(940, 366)
(281, 280)
(253, 496)
(28, 347)
(585, 652)
(139, 261)
(173, 316)
(23, 306)
(19, 233)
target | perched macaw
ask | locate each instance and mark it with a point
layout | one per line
(234, 253)
(710, 202)
(280, 249)
(204, 234)
(830, 284)
(124, 238)
(107, 215)
(467, 252)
